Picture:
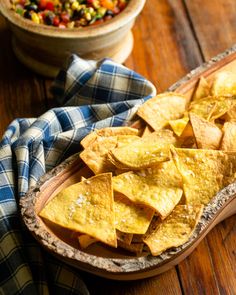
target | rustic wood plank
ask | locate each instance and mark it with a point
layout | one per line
(222, 241)
(197, 273)
(214, 24)
(21, 93)
(164, 284)
(165, 49)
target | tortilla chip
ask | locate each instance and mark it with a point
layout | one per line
(203, 107)
(159, 188)
(187, 138)
(107, 132)
(204, 172)
(158, 111)
(133, 247)
(144, 152)
(175, 230)
(85, 241)
(126, 238)
(147, 131)
(86, 207)
(230, 115)
(207, 134)
(202, 90)
(179, 125)
(129, 217)
(224, 84)
(229, 138)
(96, 155)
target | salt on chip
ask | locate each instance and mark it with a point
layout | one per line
(204, 172)
(224, 84)
(85, 207)
(159, 188)
(129, 217)
(229, 138)
(175, 230)
(158, 111)
(144, 152)
(207, 134)
(202, 89)
(96, 155)
(107, 132)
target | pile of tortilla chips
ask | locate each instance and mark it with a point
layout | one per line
(150, 186)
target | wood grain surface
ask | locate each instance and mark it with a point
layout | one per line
(171, 38)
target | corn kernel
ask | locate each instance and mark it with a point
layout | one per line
(75, 5)
(35, 18)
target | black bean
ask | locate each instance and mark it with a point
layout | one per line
(110, 12)
(31, 7)
(49, 19)
(27, 14)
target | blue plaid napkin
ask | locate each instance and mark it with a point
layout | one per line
(94, 95)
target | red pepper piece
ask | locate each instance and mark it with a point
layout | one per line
(56, 21)
(42, 4)
(50, 6)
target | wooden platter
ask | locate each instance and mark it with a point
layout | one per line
(112, 263)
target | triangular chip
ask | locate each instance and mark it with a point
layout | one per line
(130, 217)
(144, 152)
(204, 172)
(179, 125)
(86, 240)
(207, 134)
(147, 131)
(107, 132)
(229, 138)
(175, 230)
(86, 207)
(159, 188)
(126, 238)
(202, 89)
(224, 84)
(96, 155)
(158, 111)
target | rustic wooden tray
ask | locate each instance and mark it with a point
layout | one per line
(108, 262)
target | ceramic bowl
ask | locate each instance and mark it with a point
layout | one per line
(109, 262)
(44, 48)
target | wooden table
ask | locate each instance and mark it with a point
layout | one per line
(171, 38)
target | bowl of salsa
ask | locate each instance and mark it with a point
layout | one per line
(46, 32)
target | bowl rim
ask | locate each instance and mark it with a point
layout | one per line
(132, 10)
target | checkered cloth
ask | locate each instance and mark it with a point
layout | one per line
(95, 95)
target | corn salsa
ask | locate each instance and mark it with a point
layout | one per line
(68, 13)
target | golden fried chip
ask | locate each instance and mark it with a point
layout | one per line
(230, 115)
(229, 138)
(179, 125)
(158, 111)
(86, 207)
(204, 172)
(202, 89)
(144, 152)
(159, 188)
(207, 134)
(211, 108)
(203, 107)
(96, 155)
(130, 217)
(86, 240)
(147, 131)
(224, 84)
(107, 132)
(126, 238)
(133, 247)
(175, 230)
